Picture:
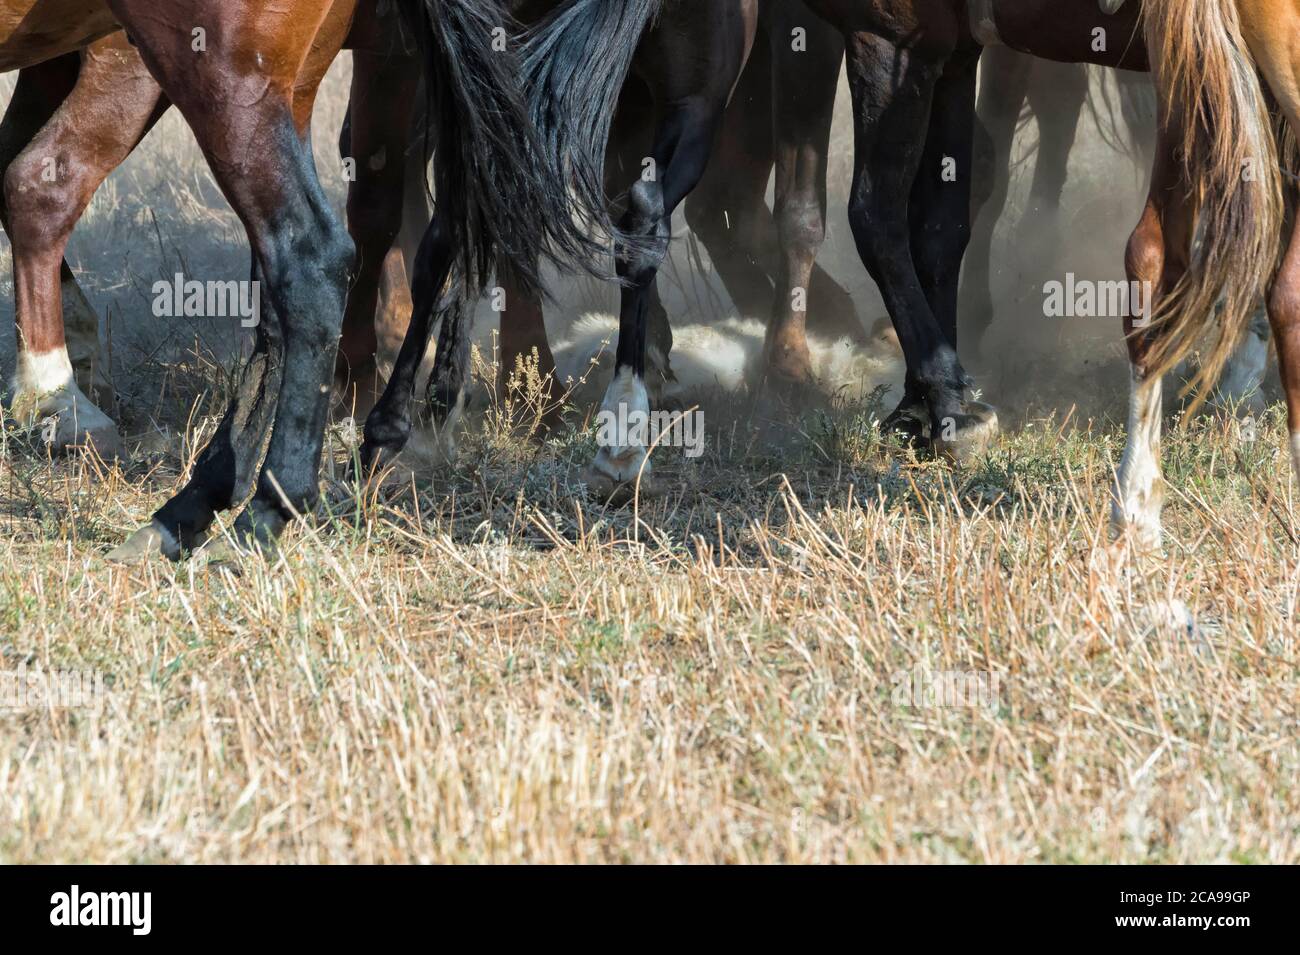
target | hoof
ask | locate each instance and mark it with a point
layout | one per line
(104, 442)
(1136, 537)
(911, 422)
(222, 553)
(965, 436)
(149, 541)
(793, 389)
(613, 478)
(607, 490)
(373, 459)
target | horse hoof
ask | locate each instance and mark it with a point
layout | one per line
(149, 541)
(371, 459)
(911, 423)
(964, 437)
(221, 553)
(104, 442)
(606, 490)
(1137, 533)
(614, 479)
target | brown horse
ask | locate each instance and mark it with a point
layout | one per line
(244, 77)
(94, 107)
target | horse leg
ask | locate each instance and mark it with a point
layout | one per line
(1004, 85)
(395, 302)
(1268, 28)
(388, 427)
(37, 94)
(383, 87)
(1157, 256)
(803, 97)
(940, 208)
(627, 154)
(1241, 387)
(304, 255)
(1057, 97)
(523, 335)
(728, 210)
(47, 188)
(683, 140)
(893, 89)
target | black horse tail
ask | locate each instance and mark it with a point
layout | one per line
(575, 63)
(492, 190)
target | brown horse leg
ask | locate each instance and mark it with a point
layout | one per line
(383, 88)
(241, 116)
(728, 211)
(1157, 257)
(47, 188)
(395, 300)
(39, 91)
(804, 85)
(1269, 28)
(523, 334)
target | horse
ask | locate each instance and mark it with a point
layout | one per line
(233, 69)
(577, 57)
(912, 73)
(103, 101)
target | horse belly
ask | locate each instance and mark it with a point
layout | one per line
(32, 31)
(1074, 31)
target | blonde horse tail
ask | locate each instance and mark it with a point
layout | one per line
(1209, 84)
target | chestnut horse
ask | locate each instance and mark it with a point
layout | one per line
(235, 68)
(93, 107)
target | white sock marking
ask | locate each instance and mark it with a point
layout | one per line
(1138, 491)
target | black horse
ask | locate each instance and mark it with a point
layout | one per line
(577, 56)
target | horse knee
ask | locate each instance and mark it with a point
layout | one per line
(880, 234)
(801, 227)
(1284, 304)
(648, 231)
(41, 199)
(310, 263)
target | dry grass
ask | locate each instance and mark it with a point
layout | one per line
(484, 665)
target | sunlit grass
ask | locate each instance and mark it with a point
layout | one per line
(484, 664)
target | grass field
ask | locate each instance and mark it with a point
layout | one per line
(482, 664)
(813, 647)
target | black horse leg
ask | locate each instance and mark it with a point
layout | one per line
(388, 427)
(940, 212)
(893, 91)
(683, 142)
